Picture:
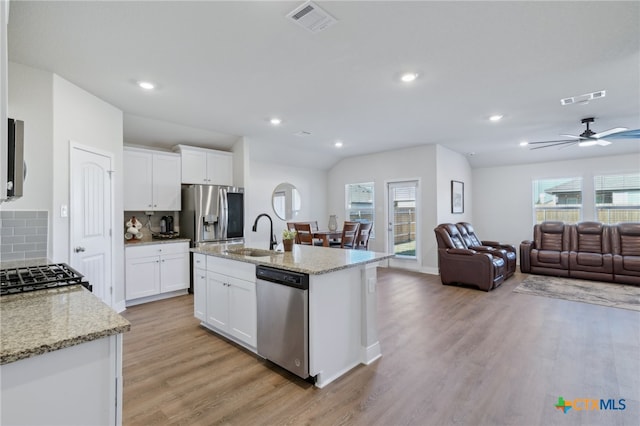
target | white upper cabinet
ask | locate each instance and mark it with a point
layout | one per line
(151, 180)
(206, 166)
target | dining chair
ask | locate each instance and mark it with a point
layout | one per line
(304, 234)
(349, 233)
(362, 239)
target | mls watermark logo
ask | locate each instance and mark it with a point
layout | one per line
(590, 404)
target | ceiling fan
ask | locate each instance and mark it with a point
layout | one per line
(589, 137)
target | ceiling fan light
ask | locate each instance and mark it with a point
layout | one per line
(587, 143)
(496, 117)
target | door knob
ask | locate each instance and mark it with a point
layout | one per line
(78, 249)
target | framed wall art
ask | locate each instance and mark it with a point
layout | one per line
(457, 197)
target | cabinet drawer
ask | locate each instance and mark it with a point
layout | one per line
(199, 261)
(156, 249)
(232, 268)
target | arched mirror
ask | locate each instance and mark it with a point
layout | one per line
(286, 201)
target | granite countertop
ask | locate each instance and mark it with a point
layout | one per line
(37, 322)
(145, 242)
(306, 259)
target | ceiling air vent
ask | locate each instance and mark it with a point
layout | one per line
(583, 99)
(311, 17)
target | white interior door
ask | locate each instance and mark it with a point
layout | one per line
(90, 221)
(403, 223)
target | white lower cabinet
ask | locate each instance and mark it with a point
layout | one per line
(200, 286)
(230, 295)
(154, 269)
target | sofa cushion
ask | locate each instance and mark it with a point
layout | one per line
(548, 256)
(630, 245)
(551, 241)
(590, 259)
(631, 263)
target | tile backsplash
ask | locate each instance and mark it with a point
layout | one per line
(23, 234)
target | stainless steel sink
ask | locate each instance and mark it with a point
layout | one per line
(252, 252)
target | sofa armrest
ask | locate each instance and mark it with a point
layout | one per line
(483, 248)
(525, 255)
(461, 251)
(507, 247)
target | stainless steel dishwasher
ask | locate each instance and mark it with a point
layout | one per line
(283, 318)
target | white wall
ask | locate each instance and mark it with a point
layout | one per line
(503, 195)
(31, 100)
(263, 177)
(81, 117)
(453, 166)
(422, 163)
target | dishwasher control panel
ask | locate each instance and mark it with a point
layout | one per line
(280, 276)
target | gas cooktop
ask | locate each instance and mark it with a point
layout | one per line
(30, 278)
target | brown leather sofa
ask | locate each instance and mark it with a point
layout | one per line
(457, 263)
(586, 250)
(548, 253)
(625, 244)
(506, 251)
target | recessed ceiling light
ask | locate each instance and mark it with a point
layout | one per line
(496, 117)
(146, 85)
(338, 144)
(275, 121)
(409, 77)
(524, 143)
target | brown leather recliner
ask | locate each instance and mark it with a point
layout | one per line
(459, 264)
(590, 252)
(506, 251)
(625, 239)
(548, 253)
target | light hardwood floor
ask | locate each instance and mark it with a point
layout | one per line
(451, 356)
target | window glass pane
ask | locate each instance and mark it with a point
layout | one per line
(403, 197)
(360, 208)
(618, 198)
(557, 199)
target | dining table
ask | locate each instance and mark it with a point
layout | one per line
(326, 236)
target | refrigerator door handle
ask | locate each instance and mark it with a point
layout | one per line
(223, 220)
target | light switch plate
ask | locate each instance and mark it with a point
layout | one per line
(64, 210)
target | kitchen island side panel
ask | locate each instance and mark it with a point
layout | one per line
(335, 324)
(77, 385)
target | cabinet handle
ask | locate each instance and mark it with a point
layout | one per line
(149, 205)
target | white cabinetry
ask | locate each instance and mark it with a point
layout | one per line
(200, 286)
(154, 269)
(151, 180)
(206, 166)
(230, 296)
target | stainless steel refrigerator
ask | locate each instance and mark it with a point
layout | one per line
(212, 214)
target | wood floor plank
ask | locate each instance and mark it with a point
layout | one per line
(451, 356)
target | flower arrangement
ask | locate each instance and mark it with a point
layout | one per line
(288, 234)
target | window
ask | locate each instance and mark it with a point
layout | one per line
(617, 198)
(359, 198)
(557, 199)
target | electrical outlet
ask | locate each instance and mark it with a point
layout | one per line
(64, 211)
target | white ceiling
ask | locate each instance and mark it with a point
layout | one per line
(224, 68)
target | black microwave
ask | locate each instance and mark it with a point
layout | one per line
(16, 170)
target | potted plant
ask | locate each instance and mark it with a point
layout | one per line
(288, 236)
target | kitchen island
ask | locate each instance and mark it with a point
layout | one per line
(342, 316)
(60, 358)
